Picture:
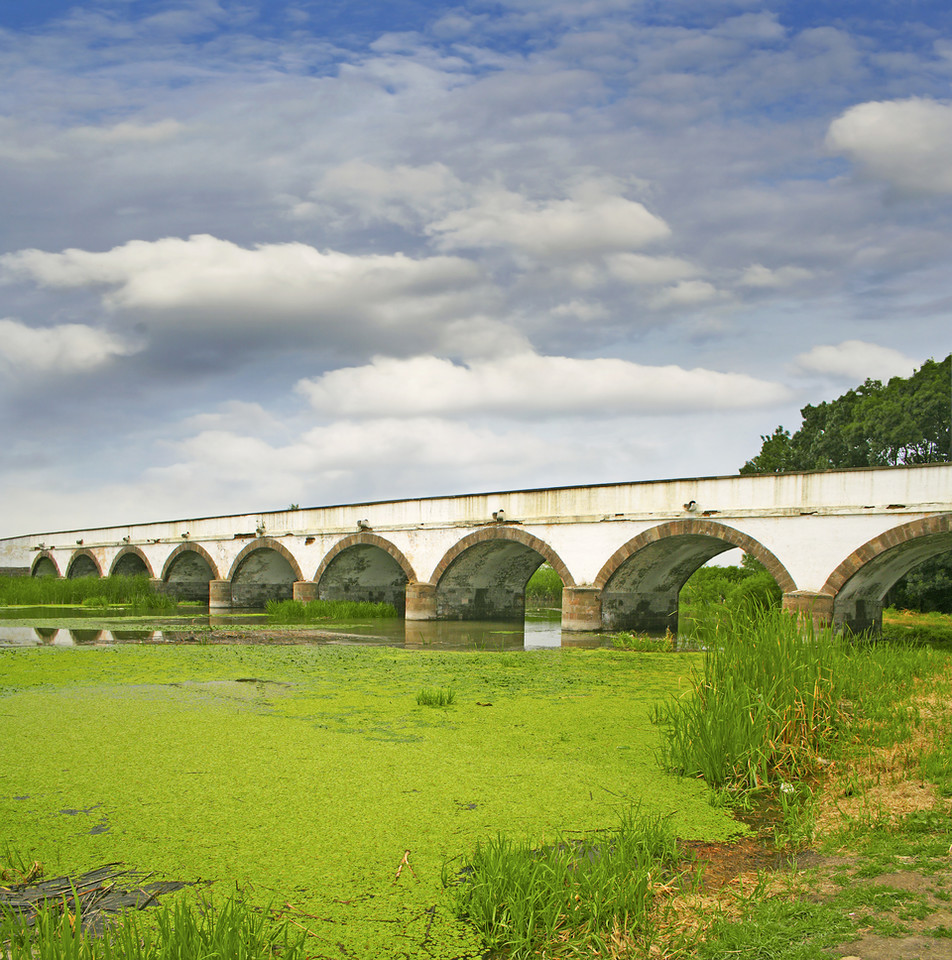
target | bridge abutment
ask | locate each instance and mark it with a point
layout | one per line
(581, 608)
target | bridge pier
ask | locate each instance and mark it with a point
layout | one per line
(817, 607)
(421, 601)
(219, 594)
(581, 608)
(304, 590)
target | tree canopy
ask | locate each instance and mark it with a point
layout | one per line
(902, 422)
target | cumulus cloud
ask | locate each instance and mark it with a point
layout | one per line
(67, 348)
(527, 385)
(270, 293)
(907, 143)
(591, 222)
(855, 360)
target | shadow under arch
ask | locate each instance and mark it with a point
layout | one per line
(365, 567)
(484, 575)
(641, 580)
(860, 583)
(187, 571)
(125, 564)
(43, 563)
(270, 575)
(83, 563)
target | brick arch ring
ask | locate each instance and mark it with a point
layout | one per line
(369, 539)
(189, 548)
(927, 527)
(83, 552)
(266, 543)
(47, 554)
(125, 551)
(513, 534)
(702, 528)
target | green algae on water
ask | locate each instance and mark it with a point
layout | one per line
(308, 775)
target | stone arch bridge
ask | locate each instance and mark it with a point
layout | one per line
(834, 541)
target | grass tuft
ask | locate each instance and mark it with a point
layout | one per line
(428, 697)
(643, 642)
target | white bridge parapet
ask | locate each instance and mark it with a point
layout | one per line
(834, 541)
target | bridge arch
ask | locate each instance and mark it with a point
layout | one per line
(641, 580)
(83, 563)
(45, 565)
(264, 570)
(364, 566)
(484, 575)
(131, 562)
(860, 583)
(187, 571)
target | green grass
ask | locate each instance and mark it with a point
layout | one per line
(910, 625)
(182, 930)
(521, 897)
(295, 611)
(429, 697)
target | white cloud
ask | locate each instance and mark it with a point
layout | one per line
(639, 269)
(757, 275)
(67, 348)
(272, 292)
(907, 143)
(129, 132)
(687, 293)
(855, 360)
(526, 385)
(589, 223)
(401, 193)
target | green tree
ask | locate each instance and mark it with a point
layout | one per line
(902, 422)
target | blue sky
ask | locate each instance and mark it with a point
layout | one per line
(261, 254)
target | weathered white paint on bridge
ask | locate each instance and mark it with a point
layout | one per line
(835, 541)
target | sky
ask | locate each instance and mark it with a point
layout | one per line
(255, 254)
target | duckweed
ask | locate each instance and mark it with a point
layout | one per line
(309, 775)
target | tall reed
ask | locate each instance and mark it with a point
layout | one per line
(181, 931)
(295, 611)
(770, 699)
(37, 591)
(520, 897)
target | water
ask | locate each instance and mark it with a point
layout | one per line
(58, 627)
